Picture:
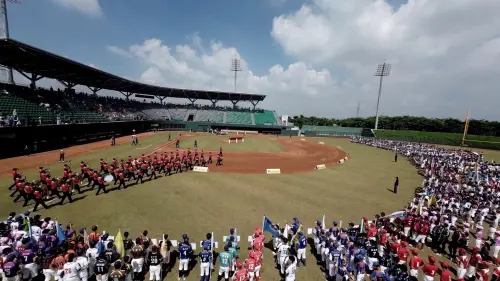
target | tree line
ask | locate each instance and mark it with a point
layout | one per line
(445, 125)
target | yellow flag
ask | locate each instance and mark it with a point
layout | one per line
(120, 248)
(432, 201)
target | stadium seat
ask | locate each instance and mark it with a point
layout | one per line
(266, 117)
(234, 117)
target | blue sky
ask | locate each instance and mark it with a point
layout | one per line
(243, 24)
(308, 56)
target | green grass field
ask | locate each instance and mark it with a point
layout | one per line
(485, 142)
(252, 143)
(197, 203)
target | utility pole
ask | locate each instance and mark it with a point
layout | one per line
(383, 69)
(235, 67)
(357, 110)
(4, 33)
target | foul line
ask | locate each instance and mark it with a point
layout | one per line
(144, 147)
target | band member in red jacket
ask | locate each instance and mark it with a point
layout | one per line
(66, 193)
(39, 200)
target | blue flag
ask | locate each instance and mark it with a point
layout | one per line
(100, 246)
(60, 233)
(268, 227)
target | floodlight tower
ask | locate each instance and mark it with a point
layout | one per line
(357, 110)
(4, 32)
(383, 69)
(235, 67)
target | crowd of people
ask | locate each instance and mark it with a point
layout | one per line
(120, 173)
(457, 200)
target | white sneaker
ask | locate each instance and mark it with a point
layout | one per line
(183, 278)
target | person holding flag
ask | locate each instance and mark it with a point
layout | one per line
(210, 244)
(119, 245)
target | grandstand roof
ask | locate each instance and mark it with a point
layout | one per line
(21, 56)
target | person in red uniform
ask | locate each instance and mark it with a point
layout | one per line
(139, 176)
(131, 173)
(66, 193)
(415, 263)
(39, 200)
(203, 161)
(169, 168)
(403, 253)
(220, 151)
(483, 271)
(153, 172)
(76, 184)
(121, 177)
(100, 182)
(430, 269)
(16, 182)
(20, 189)
(395, 245)
(28, 190)
(219, 160)
(241, 273)
(474, 259)
(462, 264)
(209, 158)
(178, 166)
(445, 272)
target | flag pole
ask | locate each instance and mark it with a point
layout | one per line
(263, 220)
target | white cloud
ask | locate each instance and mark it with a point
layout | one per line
(118, 51)
(445, 54)
(87, 7)
(188, 66)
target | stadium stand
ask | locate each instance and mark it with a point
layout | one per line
(234, 117)
(210, 116)
(266, 117)
(178, 114)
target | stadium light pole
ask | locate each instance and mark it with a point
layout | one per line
(383, 69)
(235, 67)
(4, 32)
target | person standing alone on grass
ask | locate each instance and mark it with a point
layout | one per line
(61, 156)
(396, 184)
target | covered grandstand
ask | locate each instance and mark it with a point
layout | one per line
(42, 106)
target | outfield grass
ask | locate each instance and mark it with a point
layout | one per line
(486, 142)
(252, 143)
(197, 203)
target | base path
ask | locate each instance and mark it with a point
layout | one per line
(34, 160)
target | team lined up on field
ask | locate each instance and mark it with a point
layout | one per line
(118, 172)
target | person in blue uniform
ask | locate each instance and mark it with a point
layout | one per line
(205, 260)
(185, 252)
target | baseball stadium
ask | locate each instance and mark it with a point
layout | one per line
(178, 162)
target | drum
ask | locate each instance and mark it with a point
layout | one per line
(108, 178)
